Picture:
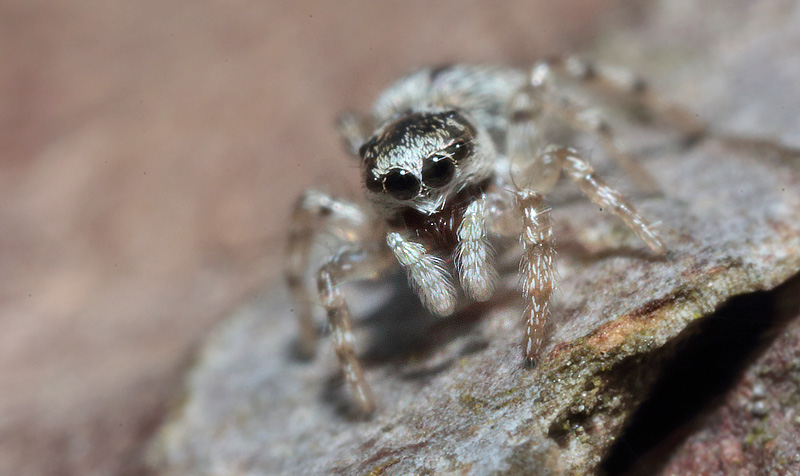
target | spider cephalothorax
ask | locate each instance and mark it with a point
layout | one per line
(420, 159)
(437, 155)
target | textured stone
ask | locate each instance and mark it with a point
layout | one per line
(754, 430)
(453, 396)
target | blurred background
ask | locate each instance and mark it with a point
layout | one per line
(149, 156)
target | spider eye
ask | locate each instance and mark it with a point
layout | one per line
(401, 184)
(373, 183)
(459, 150)
(438, 171)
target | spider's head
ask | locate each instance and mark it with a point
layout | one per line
(421, 159)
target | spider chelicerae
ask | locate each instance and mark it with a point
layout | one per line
(455, 160)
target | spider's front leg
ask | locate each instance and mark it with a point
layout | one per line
(523, 215)
(537, 268)
(348, 264)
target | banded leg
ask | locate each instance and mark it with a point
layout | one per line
(537, 269)
(542, 87)
(590, 120)
(314, 212)
(625, 84)
(354, 129)
(348, 264)
(582, 173)
(426, 274)
(474, 256)
(545, 168)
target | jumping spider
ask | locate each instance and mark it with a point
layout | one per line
(453, 160)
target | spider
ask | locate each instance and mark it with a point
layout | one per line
(454, 160)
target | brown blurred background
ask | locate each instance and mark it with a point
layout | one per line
(149, 155)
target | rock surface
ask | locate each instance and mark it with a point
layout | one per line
(453, 397)
(755, 428)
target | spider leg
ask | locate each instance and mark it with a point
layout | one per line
(530, 218)
(546, 165)
(582, 173)
(348, 264)
(474, 255)
(626, 84)
(540, 97)
(354, 129)
(544, 81)
(537, 268)
(426, 274)
(590, 120)
(315, 212)
(542, 173)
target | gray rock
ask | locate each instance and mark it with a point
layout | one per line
(754, 428)
(453, 396)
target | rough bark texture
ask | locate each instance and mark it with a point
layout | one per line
(453, 396)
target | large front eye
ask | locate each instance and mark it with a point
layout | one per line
(401, 184)
(437, 171)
